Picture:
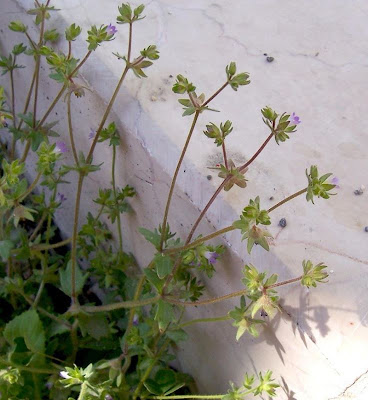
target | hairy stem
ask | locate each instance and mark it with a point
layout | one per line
(190, 396)
(83, 392)
(280, 203)
(196, 321)
(51, 246)
(31, 187)
(200, 240)
(215, 94)
(173, 182)
(204, 302)
(70, 126)
(284, 282)
(75, 236)
(13, 108)
(118, 221)
(120, 305)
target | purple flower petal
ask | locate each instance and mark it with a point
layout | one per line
(335, 181)
(211, 256)
(111, 30)
(60, 198)
(92, 134)
(61, 147)
(294, 119)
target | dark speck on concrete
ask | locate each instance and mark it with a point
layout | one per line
(209, 177)
(366, 228)
(271, 198)
(170, 76)
(265, 54)
(282, 222)
(269, 59)
(358, 192)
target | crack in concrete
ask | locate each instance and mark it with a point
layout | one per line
(361, 381)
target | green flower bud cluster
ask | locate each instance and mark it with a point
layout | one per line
(243, 321)
(218, 133)
(51, 35)
(76, 376)
(235, 177)
(252, 216)
(47, 157)
(317, 186)
(265, 386)
(72, 32)
(18, 26)
(236, 80)
(61, 65)
(313, 273)
(96, 36)
(127, 15)
(182, 85)
(281, 128)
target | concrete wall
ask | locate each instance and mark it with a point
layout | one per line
(317, 345)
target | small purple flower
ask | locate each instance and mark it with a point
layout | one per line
(136, 320)
(294, 119)
(335, 181)
(211, 256)
(92, 134)
(61, 147)
(60, 198)
(111, 30)
(64, 375)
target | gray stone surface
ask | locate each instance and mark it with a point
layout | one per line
(317, 345)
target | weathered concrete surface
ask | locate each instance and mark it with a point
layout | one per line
(318, 345)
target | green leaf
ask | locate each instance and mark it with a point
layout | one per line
(164, 314)
(154, 279)
(152, 237)
(95, 325)
(5, 248)
(164, 265)
(178, 335)
(66, 279)
(29, 327)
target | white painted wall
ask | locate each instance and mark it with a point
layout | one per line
(318, 345)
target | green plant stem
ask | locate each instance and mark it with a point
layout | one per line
(28, 99)
(38, 64)
(74, 340)
(284, 282)
(42, 284)
(69, 50)
(38, 227)
(215, 94)
(204, 302)
(74, 238)
(106, 114)
(120, 305)
(118, 221)
(200, 240)
(29, 369)
(149, 369)
(53, 104)
(173, 182)
(224, 154)
(204, 211)
(219, 189)
(196, 321)
(37, 393)
(83, 392)
(70, 126)
(12, 150)
(81, 178)
(280, 203)
(257, 153)
(42, 247)
(31, 187)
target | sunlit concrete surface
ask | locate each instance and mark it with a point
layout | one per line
(318, 344)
